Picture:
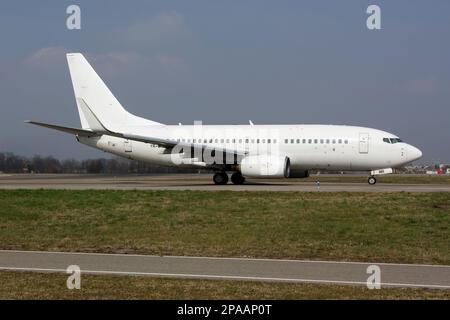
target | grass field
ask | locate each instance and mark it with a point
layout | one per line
(18, 285)
(389, 227)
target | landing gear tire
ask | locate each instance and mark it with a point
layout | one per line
(237, 178)
(372, 181)
(220, 178)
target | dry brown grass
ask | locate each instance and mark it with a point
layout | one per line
(21, 285)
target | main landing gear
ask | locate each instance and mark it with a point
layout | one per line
(221, 178)
(372, 180)
(237, 178)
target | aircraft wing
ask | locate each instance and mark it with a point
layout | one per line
(166, 143)
(171, 144)
(95, 122)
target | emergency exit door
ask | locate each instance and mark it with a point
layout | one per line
(127, 146)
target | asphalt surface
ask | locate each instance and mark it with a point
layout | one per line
(197, 182)
(294, 271)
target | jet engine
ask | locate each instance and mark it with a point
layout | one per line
(265, 166)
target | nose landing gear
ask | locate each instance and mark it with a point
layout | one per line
(372, 180)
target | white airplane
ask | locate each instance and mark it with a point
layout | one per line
(256, 151)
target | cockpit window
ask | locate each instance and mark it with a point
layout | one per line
(392, 140)
(396, 140)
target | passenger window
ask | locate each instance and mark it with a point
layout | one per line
(263, 140)
(274, 140)
(309, 141)
(328, 141)
(340, 141)
(304, 140)
(286, 141)
(246, 140)
(298, 141)
(240, 140)
(346, 141)
(268, 140)
(292, 140)
(228, 140)
(334, 141)
(321, 141)
(315, 141)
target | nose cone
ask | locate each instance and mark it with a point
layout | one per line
(414, 153)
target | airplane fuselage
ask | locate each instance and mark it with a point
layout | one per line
(327, 147)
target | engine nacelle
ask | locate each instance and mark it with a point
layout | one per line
(265, 166)
(295, 173)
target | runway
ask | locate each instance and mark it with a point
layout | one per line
(197, 182)
(293, 271)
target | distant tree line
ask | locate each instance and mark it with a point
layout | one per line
(11, 163)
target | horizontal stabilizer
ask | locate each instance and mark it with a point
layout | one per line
(76, 131)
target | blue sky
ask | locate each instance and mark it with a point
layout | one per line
(230, 61)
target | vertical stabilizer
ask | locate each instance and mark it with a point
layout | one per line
(91, 93)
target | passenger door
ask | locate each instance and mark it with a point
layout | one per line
(363, 143)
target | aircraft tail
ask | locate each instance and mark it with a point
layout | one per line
(99, 110)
